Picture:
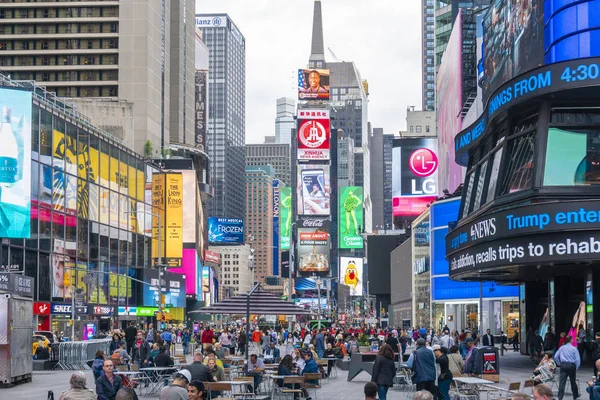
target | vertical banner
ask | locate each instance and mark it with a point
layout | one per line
(275, 244)
(167, 202)
(285, 217)
(15, 163)
(350, 217)
(200, 109)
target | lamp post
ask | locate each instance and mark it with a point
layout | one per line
(291, 269)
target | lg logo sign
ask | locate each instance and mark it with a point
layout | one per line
(423, 163)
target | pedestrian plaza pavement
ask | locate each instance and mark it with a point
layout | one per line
(513, 367)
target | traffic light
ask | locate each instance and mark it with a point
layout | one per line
(162, 299)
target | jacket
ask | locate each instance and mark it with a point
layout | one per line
(218, 374)
(97, 367)
(384, 371)
(142, 354)
(163, 360)
(311, 367)
(78, 394)
(106, 390)
(423, 365)
(474, 363)
(199, 371)
(488, 340)
(320, 342)
(456, 364)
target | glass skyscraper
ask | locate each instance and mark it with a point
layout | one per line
(226, 113)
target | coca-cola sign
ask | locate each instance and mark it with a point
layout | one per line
(313, 246)
(313, 223)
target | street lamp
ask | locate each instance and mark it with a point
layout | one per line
(291, 268)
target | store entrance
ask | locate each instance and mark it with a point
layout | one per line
(568, 295)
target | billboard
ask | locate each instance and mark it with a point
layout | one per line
(313, 245)
(189, 267)
(275, 243)
(314, 135)
(200, 110)
(313, 84)
(313, 189)
(414, 175)
(167, 202)
(173, 289)
(351, 274)
(449, 105)
(15, 163)
(285, 217)
(350, 217)
(225, 231)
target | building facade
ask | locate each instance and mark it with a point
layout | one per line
(388, 219)
(401, 306)
(420, 123)
(226, 113)
(275, 155)
(235, 273)
(99, 49)
(285, 124)
(428, 54)
(259, 218)
(377, 177)
(345, 159)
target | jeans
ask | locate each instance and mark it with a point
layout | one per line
(403, 351)
(429, 386)
(320, 353)
(382, 391)
(185, 348)
(444, 388)
(567, 370)
(594, 392)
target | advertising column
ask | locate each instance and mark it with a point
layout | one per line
(167, 201)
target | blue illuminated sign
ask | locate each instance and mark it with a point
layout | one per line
(225, 231)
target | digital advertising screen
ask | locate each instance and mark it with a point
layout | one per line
(350, 217)
(285, 217)
(414, 175)
(313, 189)
(351, 274)
(173, 289)
(313, 84)
(314, 135)
(313, 245)
(225, 231)
(15, 162)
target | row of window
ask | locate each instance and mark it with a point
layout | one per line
(418, 128)
(70, 44)
(23, 61)
(61, 12)
(67, 76)
(51, 29)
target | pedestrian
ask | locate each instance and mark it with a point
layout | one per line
(185, 341)
(568, 359)
(108, 384)
(78, 390)
(456, 362)
(384, 371)
(423, 395)
(562, 339)
(114, 344)
(515, 341)
(581, 340)
(178, 389)
(162, 359)
(594, 386)
(320, 343)
(167, 338)
(422, 362)
(473, 363)
(370, 391)
(207, 337)
(488, 339)
(130, 336)
(140, 350)
(242, 341)
(150, 336)
(445, 377)
(98, 363)
(265, 341)
(256, 337)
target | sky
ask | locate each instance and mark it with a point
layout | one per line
(382, 37)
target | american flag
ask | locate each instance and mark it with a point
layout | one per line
(301, 81)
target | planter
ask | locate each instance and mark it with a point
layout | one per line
(364, 349)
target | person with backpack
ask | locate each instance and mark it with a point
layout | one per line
(97, 364)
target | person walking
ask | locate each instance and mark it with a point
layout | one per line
(141, 350)
(151, 333)
(185, 341)
(488, 339)
(515, 341)
(320, 343)
(384, 371)
(207, 337)
(422, 362)
(445, 377)
(130, 336)
(567, 357)
(242, 341)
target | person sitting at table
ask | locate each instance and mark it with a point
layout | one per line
(545, 370)
(163, 359)
(79, 390)
(311, 347)
(330, 354)
(256, 367)
(220, 351)
(594, 386)
(298, 360)
(198, 370)
(108, 384)
(457, 364)
(195, 390)
(211, 355)
(178, 389)
(216, 371)
(275, 352)
(285, 369)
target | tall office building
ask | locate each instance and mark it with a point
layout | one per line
(345, 159)
(272, 154)
(377, 177)
(284, 121)
(227, 113)
(388, 219)
(427, 54)
(101, 50)
(235, 273)
(259, 218)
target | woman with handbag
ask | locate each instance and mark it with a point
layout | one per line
(445, 377)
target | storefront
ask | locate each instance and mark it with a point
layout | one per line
(530, 206)
(41, 316)
(61, 316)
(440, 302)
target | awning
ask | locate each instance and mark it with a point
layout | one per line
(261, 302)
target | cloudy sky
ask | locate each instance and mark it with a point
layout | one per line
(382, 37)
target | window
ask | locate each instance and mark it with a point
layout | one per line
(418, 129)
(572, 157)
(44, 45)
(113, 27)
(493, 176)
(427, 128)
(410, 129)
(518, 173)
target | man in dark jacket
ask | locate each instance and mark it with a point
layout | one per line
(130, 336)
(108, 384)
(140, 350)
(488, 339)
(198, 369)
(422, 361)
(162, 359)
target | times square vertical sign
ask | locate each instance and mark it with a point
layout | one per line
(200, 108)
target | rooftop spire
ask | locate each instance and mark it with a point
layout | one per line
(317, 50)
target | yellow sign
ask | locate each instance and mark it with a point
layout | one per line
(174, 219)
(158, 215)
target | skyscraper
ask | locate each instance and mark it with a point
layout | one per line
(259, 218)
(377, 177)
(273, 154)
(427, 54)
(284, 122)
(227, 113)
(388, 219)
(100, 49)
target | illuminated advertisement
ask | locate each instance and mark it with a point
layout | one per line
(189, 268)
(173, 289)
(313, 84)
(414, 175)
(351, 217)
(15, 163)
(211, 257)
(314, 135)
(313, 189)
(449, 105)
(313, 245)
(285, 217)
(276, 211)
(351, 274)
(225, 230)
(167, 202)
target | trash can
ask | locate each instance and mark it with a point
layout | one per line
(490, 362)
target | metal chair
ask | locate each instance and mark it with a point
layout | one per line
(295, 382)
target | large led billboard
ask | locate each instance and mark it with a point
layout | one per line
(449, 105)
(351, 274)
(225, 231)
(173, 289)
(167, 202)
(285, 217)
(313, 84)
(414, 175)
(350, 217)
(313, 189)
(314, 135)
(313, 245)
(15, 163)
